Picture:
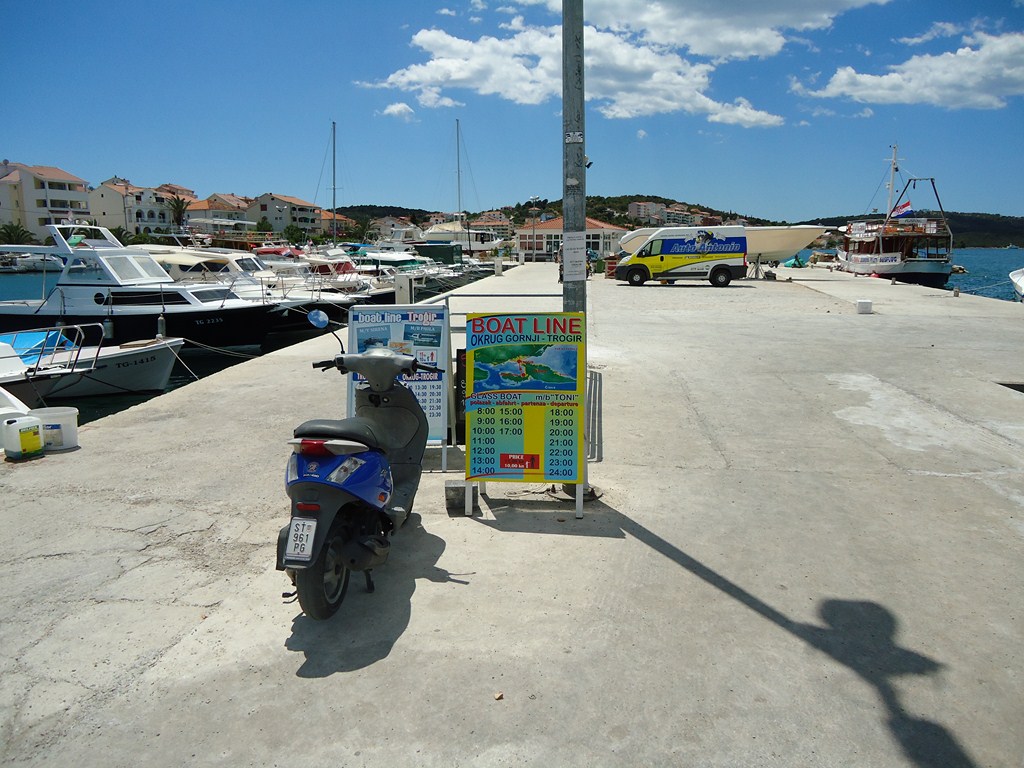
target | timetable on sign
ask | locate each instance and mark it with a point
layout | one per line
(526, 377)
(415, 330)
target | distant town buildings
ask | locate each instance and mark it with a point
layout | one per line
(539, 241)
(647, 212)
(35, 196)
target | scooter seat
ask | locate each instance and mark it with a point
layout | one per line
(354, 428)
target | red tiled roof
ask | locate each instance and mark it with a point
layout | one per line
(558, 224)
(50, 173)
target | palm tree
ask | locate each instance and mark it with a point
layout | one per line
(178, 207)
(15, 234)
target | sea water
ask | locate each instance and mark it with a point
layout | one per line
(988, 271)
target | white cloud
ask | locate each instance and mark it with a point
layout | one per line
(446, 12)
(624, 79)
(400, 110)
(718, 29)
(664, 57)
(641, 134)
(978, 77)
(430, 97)
(938, 29)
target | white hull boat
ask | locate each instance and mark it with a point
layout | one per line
(899, 246)
(126, 289)
(58, 363)
(771, 244)
(1017, 280)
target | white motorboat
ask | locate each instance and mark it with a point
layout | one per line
(41, 262)
(250, 277)
(134, 297)
(471, 240)
(899, 246)
(60, 363)
(25, 382)
(1017, 280)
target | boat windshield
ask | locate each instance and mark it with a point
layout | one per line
(135, 267)
(250, 264)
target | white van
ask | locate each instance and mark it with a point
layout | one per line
(716, 254)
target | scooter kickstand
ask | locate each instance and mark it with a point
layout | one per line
(369, 581)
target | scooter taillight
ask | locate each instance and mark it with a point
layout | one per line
(314, 448)
(307, 506)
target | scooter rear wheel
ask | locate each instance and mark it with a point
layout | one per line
(322, 586)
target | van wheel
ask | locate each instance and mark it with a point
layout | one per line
(721, 278)
(636, 277)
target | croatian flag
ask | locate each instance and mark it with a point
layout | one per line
(903, 209)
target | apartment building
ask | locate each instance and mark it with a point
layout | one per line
(117, 202)
(681, 216)
(652, 213)
(494, 221)
(219, 213)
(36, 195)
(282, 211)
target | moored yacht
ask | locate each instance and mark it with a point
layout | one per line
(900, 246)
(132, 296)
(250, 278)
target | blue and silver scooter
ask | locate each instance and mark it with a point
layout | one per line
(352, 481)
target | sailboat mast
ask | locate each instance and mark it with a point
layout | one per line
(334, 185)
(458, 183)
(892, 182)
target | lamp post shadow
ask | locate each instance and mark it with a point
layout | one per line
(861, 636)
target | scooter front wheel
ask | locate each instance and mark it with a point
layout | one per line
(322, 586)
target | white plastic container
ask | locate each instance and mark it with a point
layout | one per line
(23, 437)
(863, 306)
(60, 427)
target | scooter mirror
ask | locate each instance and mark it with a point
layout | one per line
(318, 318)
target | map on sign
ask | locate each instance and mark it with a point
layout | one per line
(550, 367)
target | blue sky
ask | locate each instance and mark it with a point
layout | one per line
(784, 110)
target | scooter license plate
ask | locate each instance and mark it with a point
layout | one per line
(300, 539)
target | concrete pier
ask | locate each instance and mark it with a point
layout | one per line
(808, 551)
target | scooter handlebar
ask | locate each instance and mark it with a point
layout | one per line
(380, 368)
(428, 368)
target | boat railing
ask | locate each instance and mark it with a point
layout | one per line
(66, 347)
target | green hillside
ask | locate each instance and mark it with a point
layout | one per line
(970, 230)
